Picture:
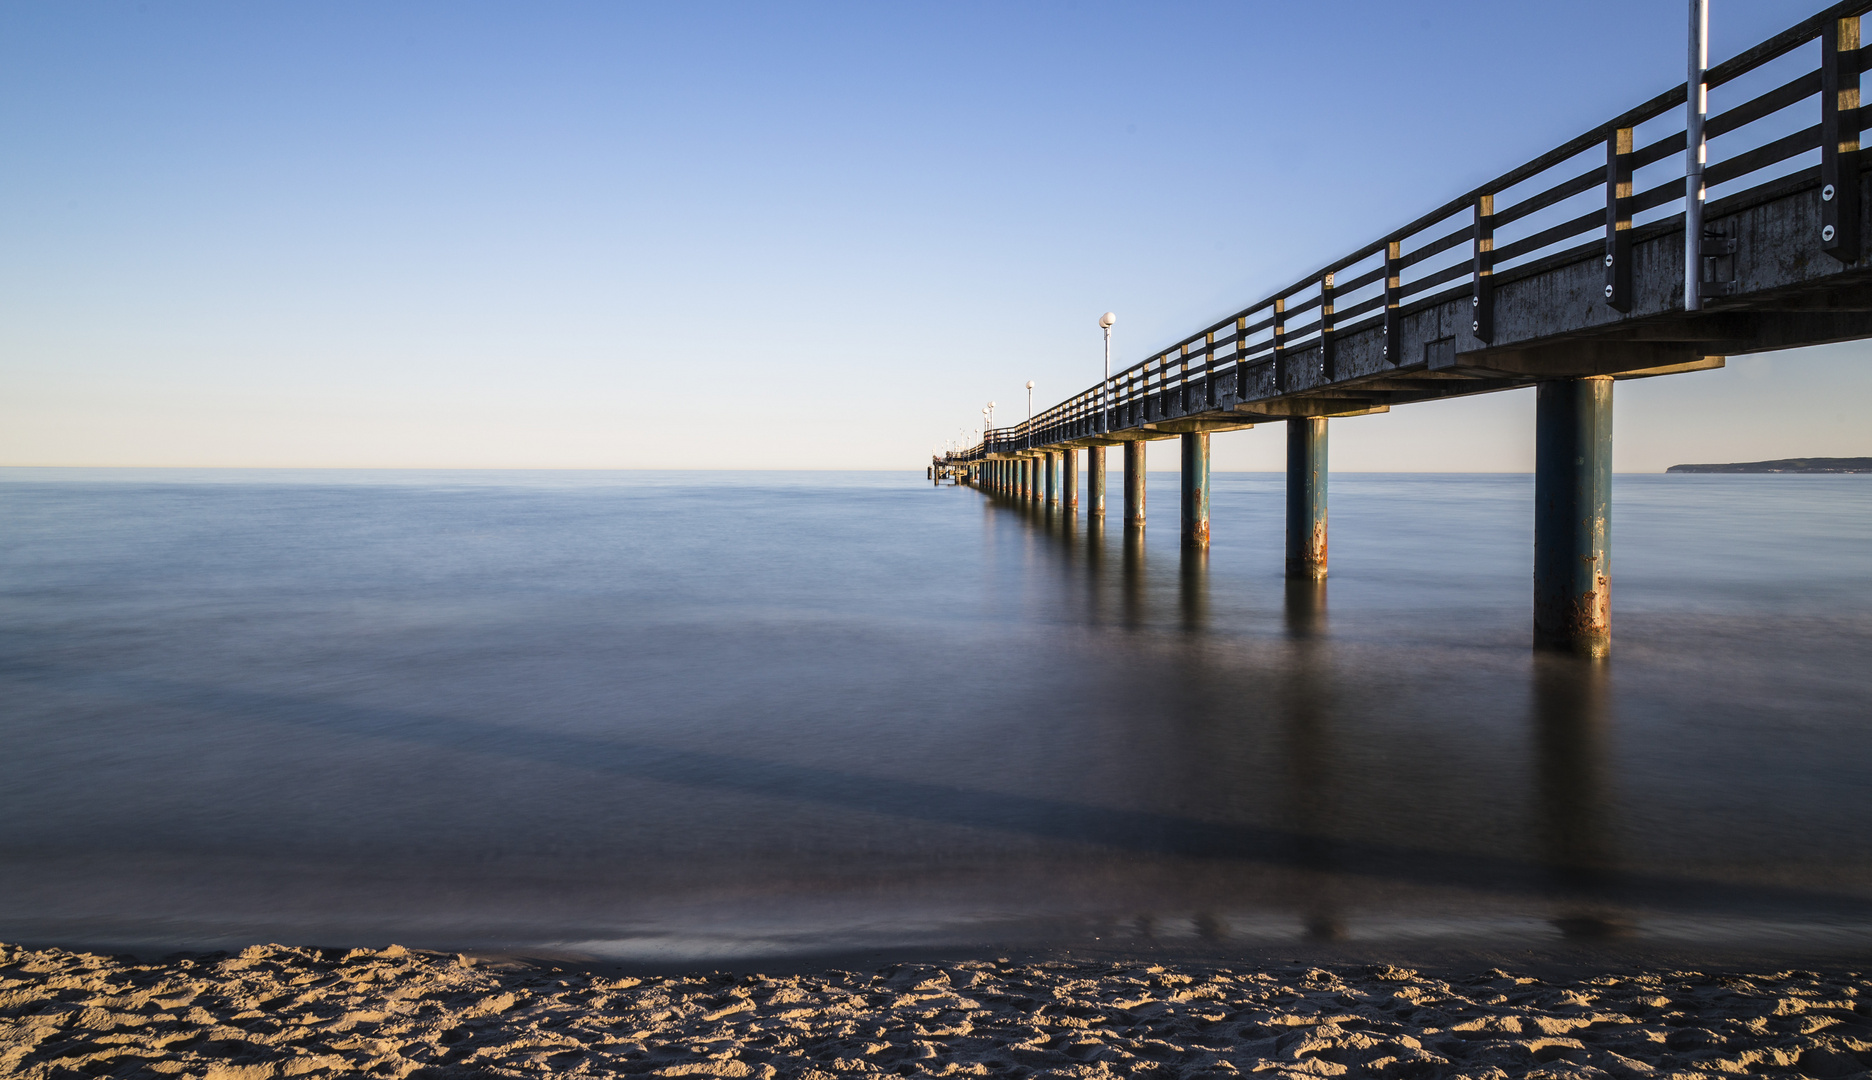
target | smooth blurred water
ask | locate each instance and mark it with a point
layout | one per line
(720, 714)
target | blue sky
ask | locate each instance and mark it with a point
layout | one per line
(743, 236)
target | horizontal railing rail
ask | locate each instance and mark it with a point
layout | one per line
(1556, 208)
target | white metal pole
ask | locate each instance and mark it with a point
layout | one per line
(1105, 388)
(1696, 108)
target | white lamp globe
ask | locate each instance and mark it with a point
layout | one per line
(1106, 320)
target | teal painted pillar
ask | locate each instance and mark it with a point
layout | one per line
(1195, 489)
(1134, 484)
(1036, 472)
(1069, 481)
(1052, 479)
(1306, 498)
(1573, 516)
(1095, 482)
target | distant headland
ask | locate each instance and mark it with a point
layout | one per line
(1797, 465)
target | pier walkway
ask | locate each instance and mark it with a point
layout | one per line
(1567, 274)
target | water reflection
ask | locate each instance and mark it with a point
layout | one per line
(1193, 587)
(1275, 749)
(1133, 580)
(684, 722)
(1312, 781)
(1574, 807)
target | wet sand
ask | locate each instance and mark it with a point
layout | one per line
(274, 1011)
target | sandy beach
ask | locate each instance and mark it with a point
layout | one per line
(274, 1011)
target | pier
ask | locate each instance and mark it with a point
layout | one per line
(1568, 274)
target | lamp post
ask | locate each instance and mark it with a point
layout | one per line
(989, 409)
(1030, 414)
(1696, 109)
(1105, 323)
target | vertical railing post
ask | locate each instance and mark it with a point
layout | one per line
(1328, 370)
(1183, 401)
(1241, 357)
(1618, 184)
(1839, 140)
(1482, 300)
(1280, 344)
(1393, 298)
(1208, 379)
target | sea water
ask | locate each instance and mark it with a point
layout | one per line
(697, 715)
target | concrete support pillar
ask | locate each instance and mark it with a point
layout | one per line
(1024, 469)
(1052, 479)
(1306, 498)
(1134, 484)
(1573, 516)
(1069, 481)
(1095, 482)
(1036, 475)
(1195, 489)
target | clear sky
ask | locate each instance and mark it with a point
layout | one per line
(809, 235)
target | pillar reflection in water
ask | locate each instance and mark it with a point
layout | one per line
(1193, 587)
(1573, 797)
(1311, 778)
(1132, 579)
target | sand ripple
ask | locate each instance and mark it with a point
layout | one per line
(274, 1011)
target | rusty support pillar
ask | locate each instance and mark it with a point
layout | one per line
(1306, 498)
(1036, 480)
(1024, 480)
(1134, 484)
(1195, 489)
(1095, 482)
(1052, 479)
(1573, 516)
(1069, 481)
